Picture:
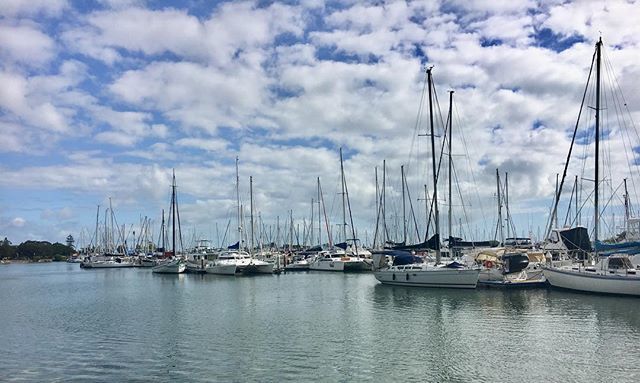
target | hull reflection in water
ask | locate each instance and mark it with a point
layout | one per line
(428, 276)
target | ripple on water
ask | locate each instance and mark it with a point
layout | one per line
(62, 324)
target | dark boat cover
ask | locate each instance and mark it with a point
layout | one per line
(576, 238)
(432, 244)
(458, 242)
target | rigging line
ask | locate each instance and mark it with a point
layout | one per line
(415, 221)
(416, 127)
(468, 157)
(564, 173)
(626, 130)
(464, 210)
(607, 204)
(573, 189)
(622, 126)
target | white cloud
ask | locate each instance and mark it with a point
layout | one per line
(18, 222)
(283, 90)
(12, 8)
(25, 44)
(211, 145)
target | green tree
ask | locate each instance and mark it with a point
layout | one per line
(6, 249)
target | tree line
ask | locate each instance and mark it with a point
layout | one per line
(35, 250)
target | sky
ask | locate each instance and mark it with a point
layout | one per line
(100, 100)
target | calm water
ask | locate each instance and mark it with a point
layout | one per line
(61, 323)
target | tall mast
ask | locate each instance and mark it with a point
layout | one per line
(95, 247)
(290, 231)
(319, 217)
(251, 209)
(450, 162)
(311, 224)
(326, 219)
(238, 204)
(404, 218)
(164, 235)
(597, 156)
(173, 207)
(375, 235)
(426, 211)
(555, 217)
(626, 206)
(384, 203)
(344, 208)
(577, 197)
(433, 166)
(500, 227)
(506, 203)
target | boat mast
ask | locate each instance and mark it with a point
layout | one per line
(506, 204)
(500, 227)
(344, 208)
(173, 207)
(626, 207)
(238, 204)
(251, 211)
(384, 203)
(164, 235)
(291, 231)
(597, 156)
(319, 217)
(404, 218)
(450, 162)
(326, 219)
(95, 247)
(433, 165)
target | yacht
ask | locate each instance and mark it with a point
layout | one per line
(238, 262)
(170, 266)
(406, 269)
(338, 260)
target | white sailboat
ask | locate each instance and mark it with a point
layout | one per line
(409, 270)
(339, 259)
(613, 273)
(234, 260)
(112, 256)
(175, 264)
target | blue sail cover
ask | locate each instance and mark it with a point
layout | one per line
(342, 245)
(631, 248)
(235, 246)
(401, 257)
(432, 244)
(406, 259)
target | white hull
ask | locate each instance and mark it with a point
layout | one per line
(148, 263)
(298, 266)
(106, 265)
(196, 267)
(592, 282)
(327, 265)
(171, 267)
(525, 278)
(224, 269)
(429, 277)
(340, 264)
(257, 267)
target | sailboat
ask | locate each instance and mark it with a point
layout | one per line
(173, 265)
(345, 258)
(613, 273)
(235, 260)
(112, 255)
(407, 269)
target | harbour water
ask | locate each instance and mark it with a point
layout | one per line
(61, 323)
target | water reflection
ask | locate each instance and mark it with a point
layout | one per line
(118, 325)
